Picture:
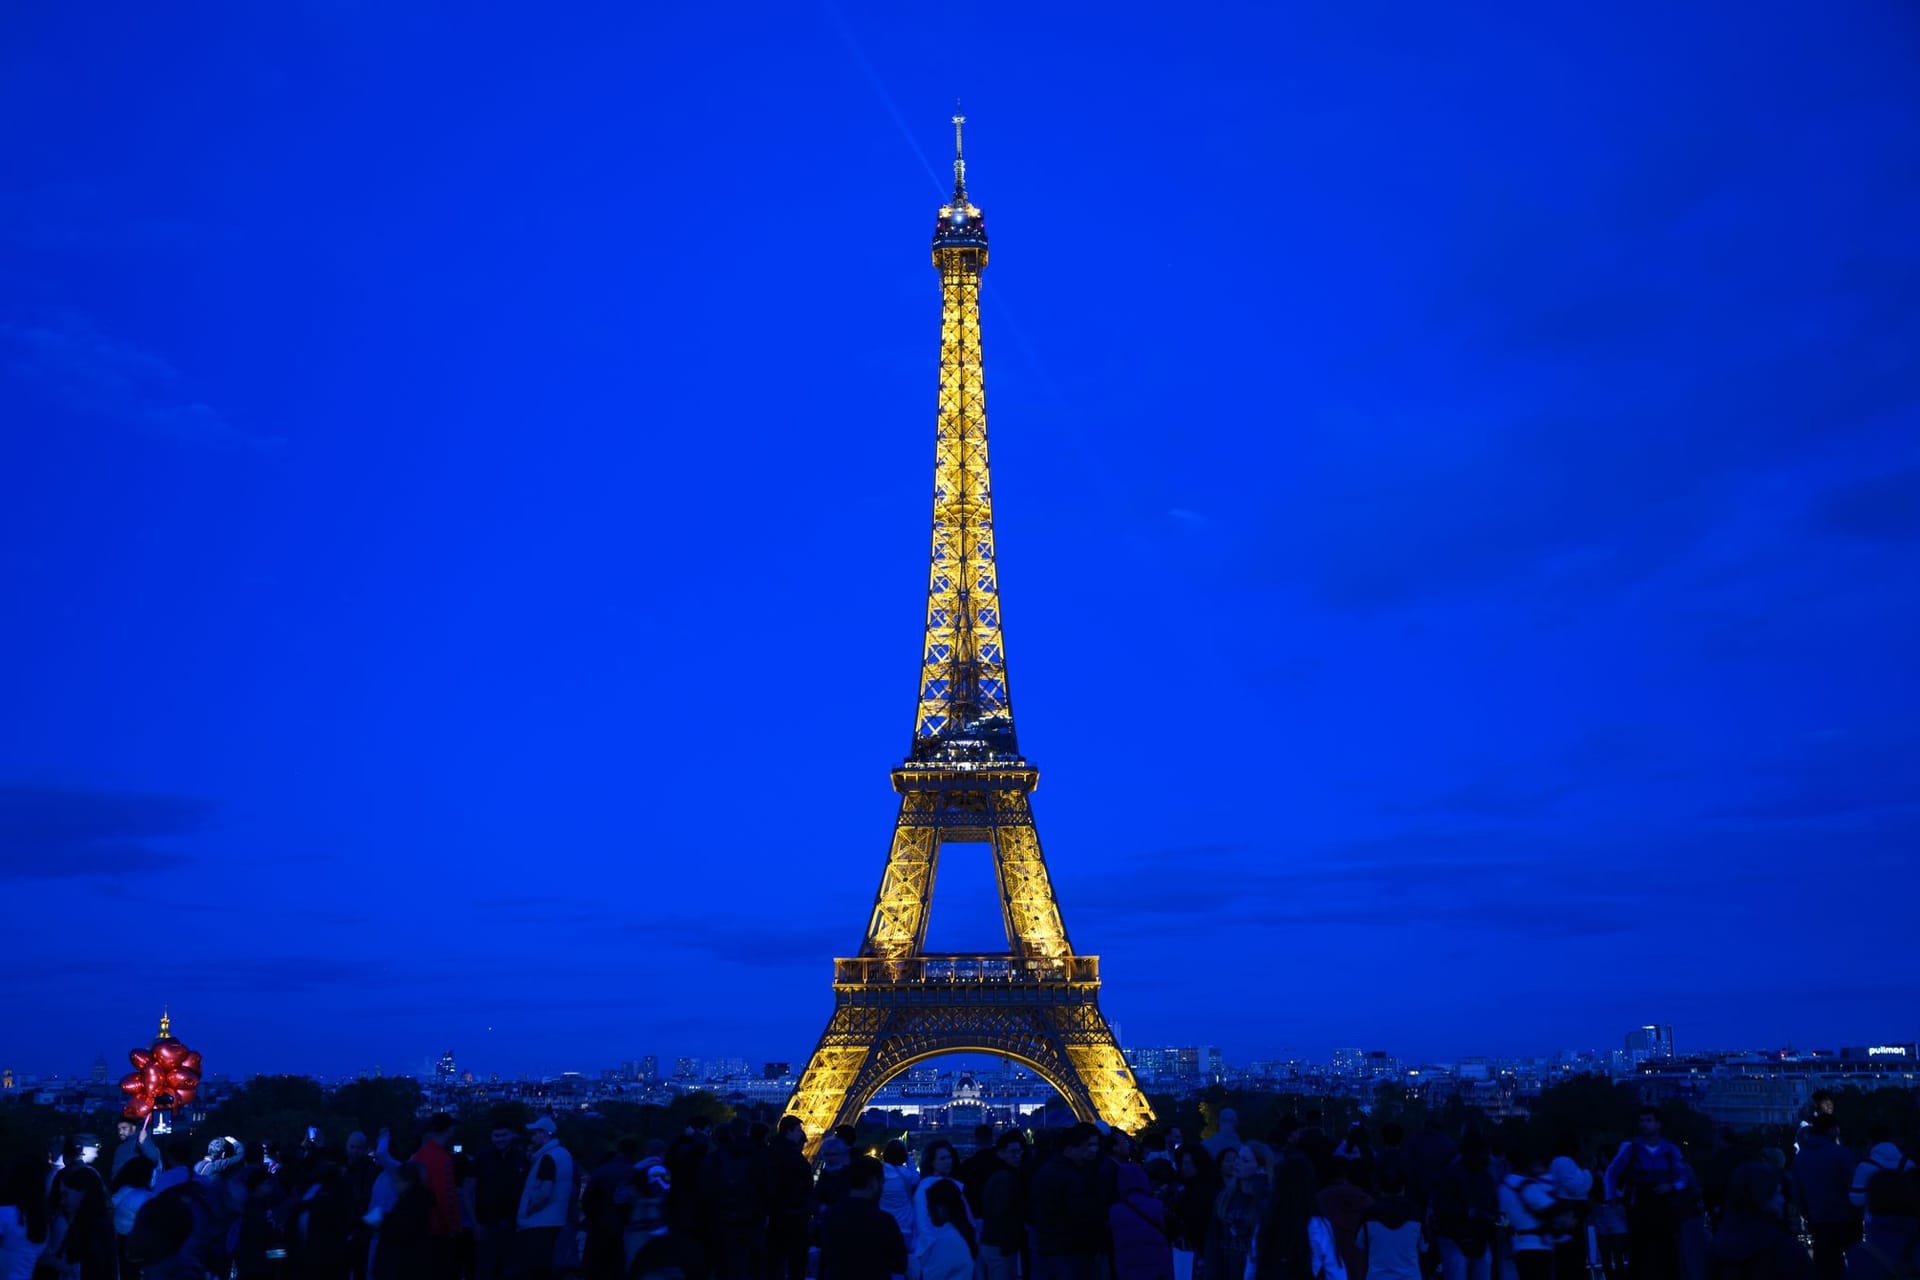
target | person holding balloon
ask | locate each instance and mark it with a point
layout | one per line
(134, 1141)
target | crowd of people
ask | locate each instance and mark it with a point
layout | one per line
(749, 1202)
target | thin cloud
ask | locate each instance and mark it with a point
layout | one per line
(84, 371)
(58, 833)
(1882, 508)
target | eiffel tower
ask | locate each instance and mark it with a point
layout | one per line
(964, 780)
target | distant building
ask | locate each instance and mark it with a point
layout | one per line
(686, 1068)
(650, 1067)
(445, 1071)
(100, 1070)
(1644, 1044)
(775, 1070)
(1349, 1062)
(1174, 1064)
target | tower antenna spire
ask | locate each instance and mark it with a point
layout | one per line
(959, 157)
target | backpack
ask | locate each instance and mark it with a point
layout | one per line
(1556, 1218)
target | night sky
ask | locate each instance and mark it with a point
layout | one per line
(464, 483)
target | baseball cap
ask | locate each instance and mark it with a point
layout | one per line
(546, 1123)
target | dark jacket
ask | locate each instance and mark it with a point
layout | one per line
(1003, 1215)
(1751, 1247)
(604, 1202)
(1428, 1155)
(498, 1179)
(1823, 1179)
(1466, 1204)
(90, 1245)
(667, 1253)
(789, 1180)
(1193, 1213)
(1283, 1252)
(1345, 1207)
(975, 1171)
(684, 1161)
(1319, 1148)
(1067, 1216)
(404, 1247)
(733, 1185)
(1137, 1223)
(860, 1242)
(830, 1188)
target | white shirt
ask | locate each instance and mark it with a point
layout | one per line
(896, 1197)
(922, 1224)
(1326, 1253)
(943, 1254)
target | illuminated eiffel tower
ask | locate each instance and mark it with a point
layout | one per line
(964, 780)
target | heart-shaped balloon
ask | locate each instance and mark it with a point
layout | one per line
(165, 1075)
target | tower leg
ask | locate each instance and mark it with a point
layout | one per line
(1027, 903)
(898, 926)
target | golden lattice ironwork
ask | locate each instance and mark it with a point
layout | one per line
(964, 780)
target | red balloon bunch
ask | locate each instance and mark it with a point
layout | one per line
(163, 1077)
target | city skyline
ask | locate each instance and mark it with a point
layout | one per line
(463, 501)
(667, 1065)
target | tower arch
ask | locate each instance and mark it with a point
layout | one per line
(1060, 1082)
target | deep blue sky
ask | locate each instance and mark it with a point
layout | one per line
(464, 500)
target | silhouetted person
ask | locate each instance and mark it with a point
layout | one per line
(733, 1189)
(859, 1240)
(789, 1201)
(978, 1167)
(1753, 1242)
(1651, 1176)
(1891, 1247)
(546, 1202)
(1226, 1134)
(1823, 1183)
(1066, 1211)
(604, 1202)
(495, 1178)
(1465, 1208)
(405, 1247)
(1283, 1250)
